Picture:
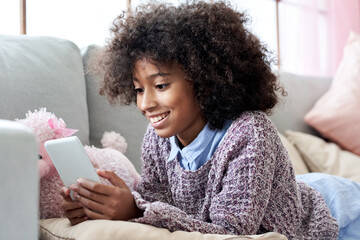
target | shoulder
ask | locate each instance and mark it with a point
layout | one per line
(253, 123)
(254, 131)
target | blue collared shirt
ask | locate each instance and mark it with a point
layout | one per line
(200, 150)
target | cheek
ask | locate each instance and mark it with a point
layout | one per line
(178, 97)
(185, 103)
(138, 101)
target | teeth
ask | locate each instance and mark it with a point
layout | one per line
(158, 118)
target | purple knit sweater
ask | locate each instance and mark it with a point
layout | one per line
(247, 187)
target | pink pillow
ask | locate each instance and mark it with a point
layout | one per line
(336, 115)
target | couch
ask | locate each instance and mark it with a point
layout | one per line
(51, 72)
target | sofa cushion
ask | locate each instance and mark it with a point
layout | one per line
(126, 120)
(302, 93)
(43, 72)
(325, 157)
(60, 228)
(336, 115)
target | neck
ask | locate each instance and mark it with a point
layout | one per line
(188, 136)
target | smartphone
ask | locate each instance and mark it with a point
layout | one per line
(70, 160)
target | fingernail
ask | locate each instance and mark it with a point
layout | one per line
(80, 180)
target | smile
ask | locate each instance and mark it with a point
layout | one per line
(158, 118)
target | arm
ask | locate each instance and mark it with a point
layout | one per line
(240, 200)
(153, 185)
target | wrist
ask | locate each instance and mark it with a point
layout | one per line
(137, 212)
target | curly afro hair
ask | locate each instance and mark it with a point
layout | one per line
(227, 65)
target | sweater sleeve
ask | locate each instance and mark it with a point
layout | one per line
(153, 185)
(240, 193)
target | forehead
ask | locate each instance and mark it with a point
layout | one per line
(145, 69)
(146, 65)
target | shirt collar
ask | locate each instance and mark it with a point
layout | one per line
(195, 148)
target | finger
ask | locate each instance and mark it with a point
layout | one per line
(65, 192)
(80, 192)
(94, 215)
(94, 209)
(75, 213)
(112, 177)
(70, 205)
(93, 188)
(78, 220)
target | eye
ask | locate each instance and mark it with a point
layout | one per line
(139, 90)
(162, 86)
(40, 157)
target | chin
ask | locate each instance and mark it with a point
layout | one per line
(163, 134)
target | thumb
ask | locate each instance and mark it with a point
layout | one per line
(112, 177)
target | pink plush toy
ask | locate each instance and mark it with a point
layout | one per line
(47, 126)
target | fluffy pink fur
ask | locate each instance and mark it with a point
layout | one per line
(109, 158)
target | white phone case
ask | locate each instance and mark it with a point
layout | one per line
(70, 160)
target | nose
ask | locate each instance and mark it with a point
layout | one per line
(146, 101)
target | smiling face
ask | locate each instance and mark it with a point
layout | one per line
(168, 101)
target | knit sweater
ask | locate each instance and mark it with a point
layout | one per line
(247, 187)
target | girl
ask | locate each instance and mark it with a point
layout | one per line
(212, 160)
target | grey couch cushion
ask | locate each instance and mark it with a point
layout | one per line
(43, 72)
(126, 120)
(303, 92)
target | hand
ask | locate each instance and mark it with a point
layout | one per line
(101, 201)
(73, 210)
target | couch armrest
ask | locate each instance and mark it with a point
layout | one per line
(18, 182)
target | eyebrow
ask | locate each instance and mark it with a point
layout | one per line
(155, 75)
(161, 74)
